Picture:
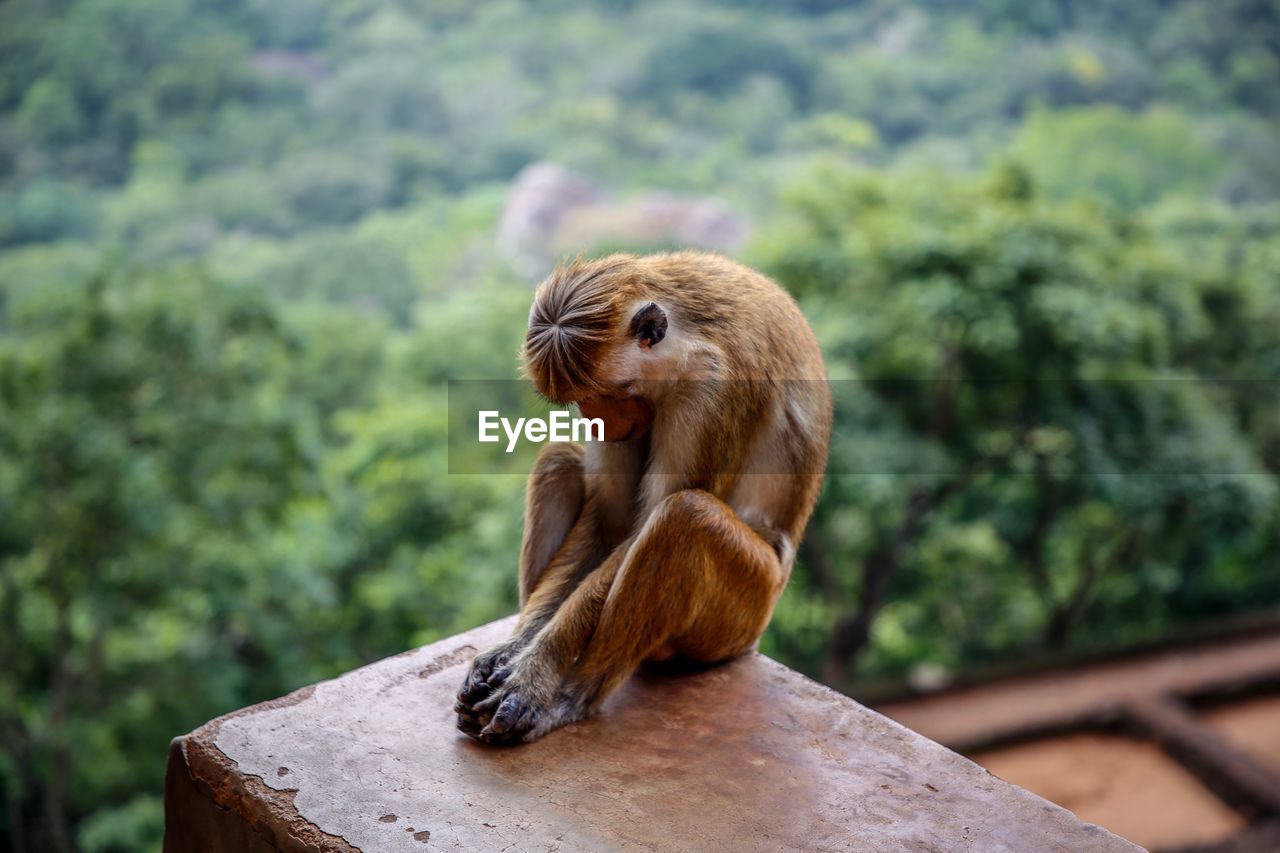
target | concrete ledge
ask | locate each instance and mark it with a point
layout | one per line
(748, 756)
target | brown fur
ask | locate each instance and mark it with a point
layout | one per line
(678, 540)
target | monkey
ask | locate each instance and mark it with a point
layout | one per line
(673, 538)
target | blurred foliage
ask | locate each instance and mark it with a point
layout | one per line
(1059, 426)
(202, 492)
(1132, 160)
(245, 243)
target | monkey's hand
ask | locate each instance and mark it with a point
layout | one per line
(519, 701)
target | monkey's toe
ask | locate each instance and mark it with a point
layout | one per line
(470, 721)
(474, 691)
(513, 709)
(514, 718)
(469, 725)
(487, 673)
(499, 675)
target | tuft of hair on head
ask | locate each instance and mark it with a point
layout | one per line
(574, 313)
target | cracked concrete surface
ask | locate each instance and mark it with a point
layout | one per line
(748, 756)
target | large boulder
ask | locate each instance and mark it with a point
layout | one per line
(552, 213)
(540, 197)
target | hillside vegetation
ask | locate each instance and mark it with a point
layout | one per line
(245, 243)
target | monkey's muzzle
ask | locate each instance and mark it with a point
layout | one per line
(624, 417)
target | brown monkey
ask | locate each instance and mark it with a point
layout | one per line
(675, 536)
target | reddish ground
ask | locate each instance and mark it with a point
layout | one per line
(1252, 725)
(968, 717)
(1128, 786)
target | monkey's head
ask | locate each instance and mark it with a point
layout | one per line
(594, 337)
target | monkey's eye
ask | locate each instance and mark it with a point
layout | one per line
(649, 325)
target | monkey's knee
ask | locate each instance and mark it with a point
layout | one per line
(728, 573)
(554, 499)
(689, 512)
(694, 559)
(697, 520)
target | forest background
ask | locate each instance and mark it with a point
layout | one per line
(245, 243)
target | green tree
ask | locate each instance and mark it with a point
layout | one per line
(1025, 456)
(50, 114)
(1130, 159)
(150, 434)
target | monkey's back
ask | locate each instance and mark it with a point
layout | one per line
(746, 313)
(767, 449)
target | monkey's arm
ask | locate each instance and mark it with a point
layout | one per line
(695, 579)
(564, 540)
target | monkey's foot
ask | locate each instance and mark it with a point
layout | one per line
(565, 710)
(488, 670)
(513, 717)
(524, 702)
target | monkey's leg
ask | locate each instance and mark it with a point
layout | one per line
(699, 582)
(696, 579)
(552, 504)
(561, 544)
(557, 583)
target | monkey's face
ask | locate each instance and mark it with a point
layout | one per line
(624, 417)
(620, 404)
(591, 340)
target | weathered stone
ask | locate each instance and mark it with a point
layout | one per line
(539, 198)
(551, 213)
(650, 219)
(748, 756)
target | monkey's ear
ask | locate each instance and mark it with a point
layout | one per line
(649, 325)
